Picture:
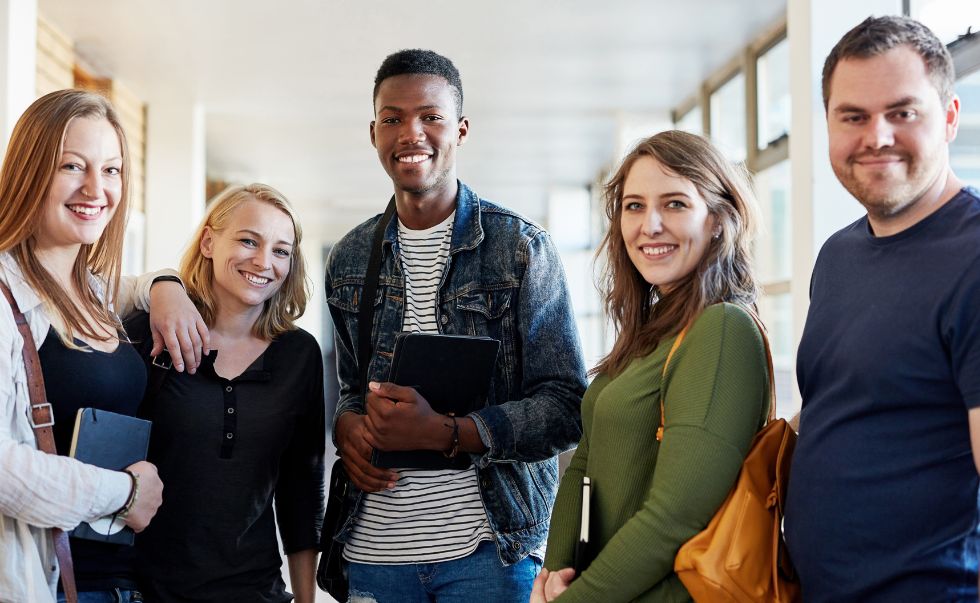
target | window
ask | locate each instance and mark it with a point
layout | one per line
(777, 314)
(727, 117)
(571, 222)
(774, 248)
(964, 153)
(948, 19)
(772, 92)
(773, 260)
(691, 121)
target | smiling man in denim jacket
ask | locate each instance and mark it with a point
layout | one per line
(451, 263)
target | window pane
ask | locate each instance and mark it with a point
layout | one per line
(691, 121)
(728, 118)
(777, 314)
(964, 153)
(569, 215)
(773, 254)
(772, 71)
(948, 19)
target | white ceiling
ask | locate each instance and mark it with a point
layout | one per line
(287, 85)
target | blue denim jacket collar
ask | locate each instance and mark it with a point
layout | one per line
(467, 229)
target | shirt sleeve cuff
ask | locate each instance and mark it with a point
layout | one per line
(143, 285)
(482, 460)
(112, 494)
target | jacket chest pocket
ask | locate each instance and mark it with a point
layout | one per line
(486, 312)
(348, 297)
(344, 303)
(491, 313)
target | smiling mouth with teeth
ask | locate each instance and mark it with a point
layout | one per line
(413, 158)
(657, 251)
(85, 210)
(256, 280)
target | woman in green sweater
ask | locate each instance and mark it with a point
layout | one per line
(679, 244)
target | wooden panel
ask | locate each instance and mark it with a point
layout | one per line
(55, 59)
(213, 187)
(132, 114)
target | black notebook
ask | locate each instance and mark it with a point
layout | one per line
(453, 373)
(581, 560)
(111, 441)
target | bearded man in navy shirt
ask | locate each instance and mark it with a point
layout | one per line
(883, 496)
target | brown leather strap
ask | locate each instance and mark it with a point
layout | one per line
(663, 377)
(42, 419)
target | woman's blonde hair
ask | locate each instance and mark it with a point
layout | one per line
(288, 303)
(33, 156)
(724, 274)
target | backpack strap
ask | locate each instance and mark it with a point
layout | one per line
(769, 368)
(663, 377)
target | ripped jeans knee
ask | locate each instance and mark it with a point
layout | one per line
(357, 596)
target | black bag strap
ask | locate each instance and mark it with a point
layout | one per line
(330, 574)
(365, 313)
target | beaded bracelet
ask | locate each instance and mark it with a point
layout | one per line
(454, 448)
(133, 494)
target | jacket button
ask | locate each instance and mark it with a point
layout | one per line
(517, 546)
(485, 483)
(444, 319)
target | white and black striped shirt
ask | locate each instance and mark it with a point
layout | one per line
(430, 515)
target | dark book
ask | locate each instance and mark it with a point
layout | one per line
(582, 560)
(111, 441)
(453, 373)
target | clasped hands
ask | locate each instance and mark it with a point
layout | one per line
(548, 585)
(397, 418)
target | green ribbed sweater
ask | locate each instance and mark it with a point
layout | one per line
(650, 497)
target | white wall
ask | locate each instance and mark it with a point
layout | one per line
(175, 177)
(18, 52)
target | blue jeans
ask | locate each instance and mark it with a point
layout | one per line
(478, 577)
(115, 595)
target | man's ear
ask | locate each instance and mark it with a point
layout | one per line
(372, 135)
(463, 131)
(952, 118)
(207, 242)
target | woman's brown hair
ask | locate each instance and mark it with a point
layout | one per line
(724, 274)
(32, 158)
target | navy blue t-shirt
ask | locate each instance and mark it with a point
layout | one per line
(883, 495)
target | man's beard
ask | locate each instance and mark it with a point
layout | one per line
(884, 194)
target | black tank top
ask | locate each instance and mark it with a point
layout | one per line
(112, 381)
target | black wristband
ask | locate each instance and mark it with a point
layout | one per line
(167, 277)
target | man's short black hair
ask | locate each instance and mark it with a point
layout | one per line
(416, 61)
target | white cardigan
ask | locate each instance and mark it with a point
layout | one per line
(39, 491)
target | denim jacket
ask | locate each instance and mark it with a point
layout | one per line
(504, 280)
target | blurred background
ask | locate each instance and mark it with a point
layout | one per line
(219, 92)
